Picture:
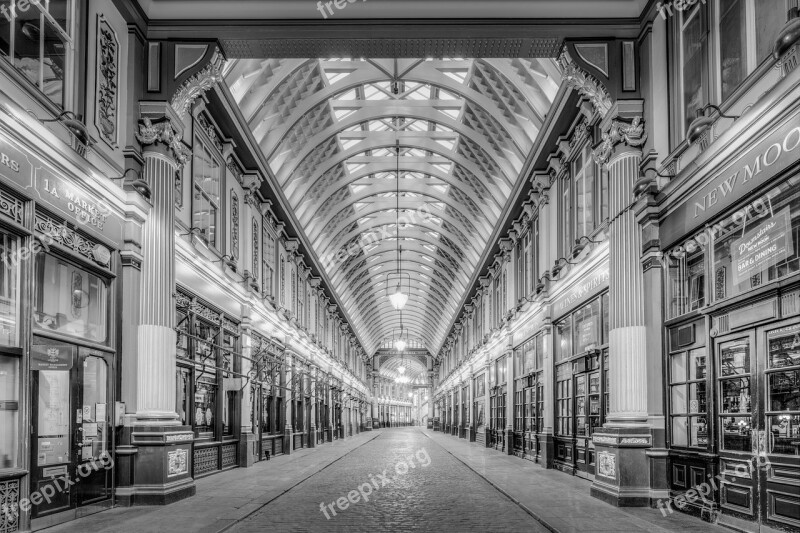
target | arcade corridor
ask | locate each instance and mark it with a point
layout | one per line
(538, 260)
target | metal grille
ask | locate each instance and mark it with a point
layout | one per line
(205, 461)
(9, 510)
(228, 455)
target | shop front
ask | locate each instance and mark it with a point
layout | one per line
(267, 393)
(479, 408)
(497, 403)
(59, 241)
(581, 326)
(207, 382)
(733, 334)
(529, 392)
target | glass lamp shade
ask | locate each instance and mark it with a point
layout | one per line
(398, 299)
(400, 344)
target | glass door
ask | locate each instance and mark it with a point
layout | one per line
(71, 461)
(737, 425)
(778, 462)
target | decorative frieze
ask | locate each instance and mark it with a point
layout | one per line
(198, 84)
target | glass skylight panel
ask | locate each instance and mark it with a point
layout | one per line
(447, 143)
(336, 75)
(460, 75)
(450, 112)
(349, 143)
(342, 113)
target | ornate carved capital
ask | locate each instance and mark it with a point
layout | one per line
(584, 83)
(632, 134)
(198, 84)
(163, 131)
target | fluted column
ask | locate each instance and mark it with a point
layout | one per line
(288, 438)
(312, 417)
(510, 377)
(487, 405)
(155, 367)
(622, 475)
(627, 339)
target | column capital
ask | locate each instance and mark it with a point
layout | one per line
(159, 124)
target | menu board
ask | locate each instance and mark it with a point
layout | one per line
(764, 246)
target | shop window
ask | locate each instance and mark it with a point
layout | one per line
(9, 410)
(70, 300)
(734, 396)
(564, 339)
(36, 38)
(205, 405)
(206, 177)
(183, 387)
(539, 405)
(688, 403)
(9, 289)
(587, 327)
(563, 400)
(759, 243)
(529, 357)
(686, 281)
(783, 391)
(501, 370)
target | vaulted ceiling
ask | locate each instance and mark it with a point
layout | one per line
(330, 130)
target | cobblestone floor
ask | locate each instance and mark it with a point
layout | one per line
(438, 493)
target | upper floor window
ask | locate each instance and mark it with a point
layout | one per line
(206, 177)
(584, 192)
(718, 45)
(267, 260)
(36, 37)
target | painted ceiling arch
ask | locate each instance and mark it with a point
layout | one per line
(330, 131)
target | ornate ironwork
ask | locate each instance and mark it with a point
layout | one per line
(107, 75)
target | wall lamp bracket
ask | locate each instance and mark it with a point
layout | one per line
(229, 260)
(74, 125)
(703, 123)
(138, 184)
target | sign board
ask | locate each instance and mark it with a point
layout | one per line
(14, 164)
(764, 246)
(580, 292)
(767, 159)
(52, 357)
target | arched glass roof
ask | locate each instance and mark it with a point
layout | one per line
(329, 130)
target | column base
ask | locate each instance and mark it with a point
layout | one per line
(546, 450)
(509, 441)
(622, 476)
(329, 435)
(248, 450)
(156, 465)
(312, 436)
(487, 442)
(288, 440)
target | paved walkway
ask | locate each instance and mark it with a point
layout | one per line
(560, 501)
(404, 479)
(399, 482)
(221, 499)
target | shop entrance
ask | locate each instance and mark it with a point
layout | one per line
(758, 391)
(71, 464)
